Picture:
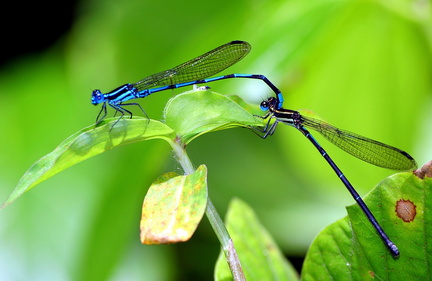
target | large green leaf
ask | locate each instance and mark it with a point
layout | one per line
(87, 143)
(260, 257)
(351, 249)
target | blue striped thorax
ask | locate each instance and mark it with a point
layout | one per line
(121, 94)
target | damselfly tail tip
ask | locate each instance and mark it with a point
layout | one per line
(394, 250)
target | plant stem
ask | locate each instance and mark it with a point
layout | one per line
(226, 241)
(214, 218)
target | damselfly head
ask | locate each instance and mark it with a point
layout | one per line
(269, 104)
(97, 97)
(264, 105)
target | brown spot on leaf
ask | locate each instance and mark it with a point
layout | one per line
(406, 210)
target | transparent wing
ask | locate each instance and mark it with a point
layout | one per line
(363, 148)
(198, 68)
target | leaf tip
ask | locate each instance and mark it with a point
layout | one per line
(425, 171)
(8, 202)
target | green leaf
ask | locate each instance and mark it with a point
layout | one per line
(351, 248)
(260, 257)
(87, 143)
(194, 113)
(173, 207)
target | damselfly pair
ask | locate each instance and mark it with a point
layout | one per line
(198, 71)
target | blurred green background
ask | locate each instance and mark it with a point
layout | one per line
(363, 66)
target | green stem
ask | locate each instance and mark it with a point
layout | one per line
(226, 241)
(214, 219)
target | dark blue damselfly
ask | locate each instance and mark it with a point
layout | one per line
(366, 149)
